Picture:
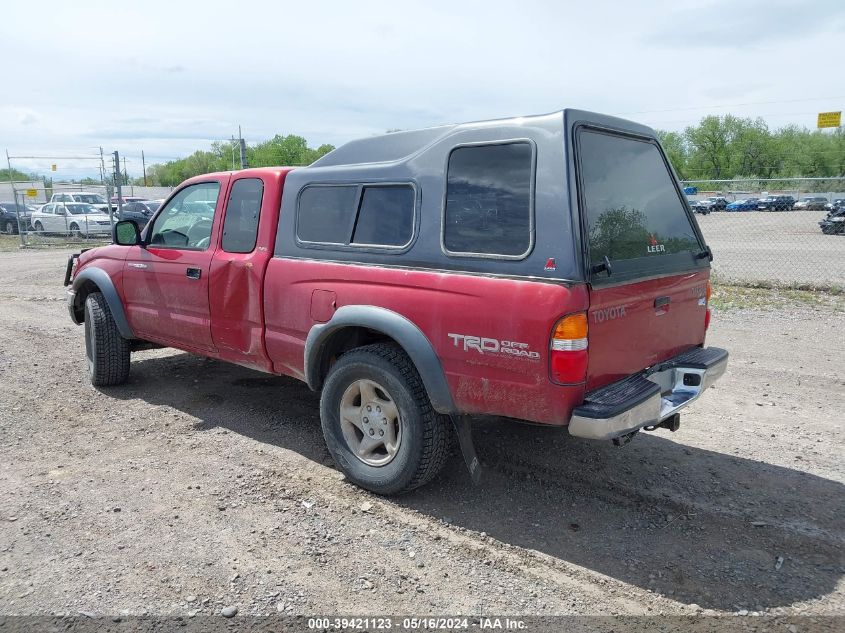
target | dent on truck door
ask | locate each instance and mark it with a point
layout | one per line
(166, 283)
(237, 273)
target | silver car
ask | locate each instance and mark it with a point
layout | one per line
(71, 218)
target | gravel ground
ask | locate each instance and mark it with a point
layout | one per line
(199, 486)
(786, 247)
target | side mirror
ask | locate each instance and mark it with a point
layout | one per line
(127, 233)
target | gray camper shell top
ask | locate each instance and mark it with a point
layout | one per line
(420, 159)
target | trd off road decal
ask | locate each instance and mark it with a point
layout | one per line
(484, 345)
(654, 246)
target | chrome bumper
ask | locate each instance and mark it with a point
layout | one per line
(648, 398)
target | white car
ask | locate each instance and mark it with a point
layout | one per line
(71, 218)
(84, 197)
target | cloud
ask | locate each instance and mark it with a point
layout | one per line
(734, 24)
(28, 117)
(334, 71)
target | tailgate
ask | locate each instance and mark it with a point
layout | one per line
(649, 265)
(636, 325)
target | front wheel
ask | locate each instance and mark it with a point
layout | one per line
(378, 421)
(38, 227)
(10, 227)
(106, 350)
(75, 232)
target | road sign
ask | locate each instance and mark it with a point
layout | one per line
(53, 167)
(830, 119)
(32, 193)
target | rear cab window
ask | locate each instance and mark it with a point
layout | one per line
(240, 227)
(636, 218)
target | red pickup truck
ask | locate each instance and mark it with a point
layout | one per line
(541, 268)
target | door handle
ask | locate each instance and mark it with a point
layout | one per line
(194, 273)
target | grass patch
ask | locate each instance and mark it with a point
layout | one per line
(9, 243)
(762, 284)
(759, 297)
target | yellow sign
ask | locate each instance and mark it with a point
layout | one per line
(53, 167)
(830, 119)
(32, 193)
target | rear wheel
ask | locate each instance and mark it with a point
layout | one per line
(378, 422)
(10, 227)
(106, 350)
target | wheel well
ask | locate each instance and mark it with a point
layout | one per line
(345, 340)
(82, 293)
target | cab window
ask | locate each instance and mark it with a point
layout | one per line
(186, 220)
(240, 228)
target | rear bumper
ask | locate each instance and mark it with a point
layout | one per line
(650, 397)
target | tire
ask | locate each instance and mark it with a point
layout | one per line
(106, 350)
(75, 232)
(38, 227)
(10, 228)
(424, 435)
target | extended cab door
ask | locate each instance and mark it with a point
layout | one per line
(648, 265)
(237, 271)
(165, 282)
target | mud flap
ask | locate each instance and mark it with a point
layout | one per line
(463, 427)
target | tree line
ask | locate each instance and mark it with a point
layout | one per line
(717, 148)
(731, 147)
(290, 150)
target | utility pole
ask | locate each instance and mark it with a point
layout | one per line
(15, 198)
(117, 187)
(242, 146)
(144, 167)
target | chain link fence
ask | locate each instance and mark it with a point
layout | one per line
(780, 232)
(773, 232)
(66, 214)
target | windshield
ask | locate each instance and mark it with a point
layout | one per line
(89, 198)
(633, 208)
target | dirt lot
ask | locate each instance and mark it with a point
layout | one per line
(199, 486)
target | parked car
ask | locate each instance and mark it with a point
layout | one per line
(75, 219)
(830, 207)
(393, 273)
(810, 203)
(126, 200)
(713, 203)
(14, 217)
(776, 203)
(140, 212)
(83, 197)
(749, 204)
(834, 224)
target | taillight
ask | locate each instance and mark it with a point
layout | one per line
(708, 292)
(569, 349)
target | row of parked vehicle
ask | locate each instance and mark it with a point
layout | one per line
(76, 213)
(768, 203)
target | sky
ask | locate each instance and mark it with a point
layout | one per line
(171, 77)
